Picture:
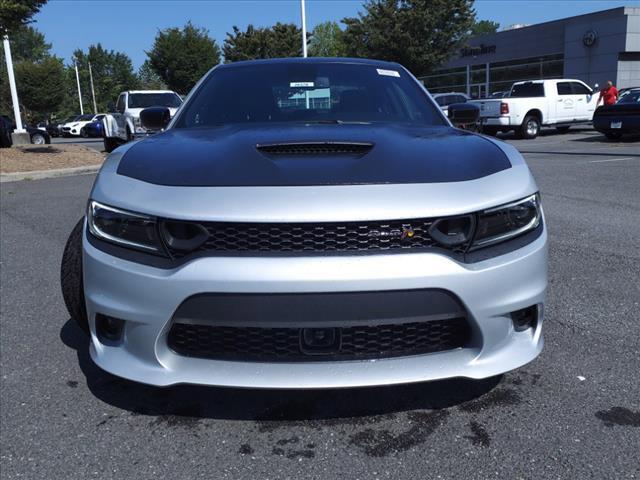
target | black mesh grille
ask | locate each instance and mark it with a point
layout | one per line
(321, 148)
(284, 344)
(318, 237)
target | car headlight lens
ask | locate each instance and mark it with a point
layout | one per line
(507, 221)
(122, 227)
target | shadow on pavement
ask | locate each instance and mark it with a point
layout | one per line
(266, 405)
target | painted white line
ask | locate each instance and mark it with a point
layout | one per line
(611, 160)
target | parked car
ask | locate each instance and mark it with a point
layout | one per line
(445, 99)
(123, 122)
(74, 128)
(93, 128)
(38, 137)
(621, 118)
(50, 128)
(535, 104)
(309, 223)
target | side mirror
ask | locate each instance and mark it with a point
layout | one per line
(463, 113)
(155, 118)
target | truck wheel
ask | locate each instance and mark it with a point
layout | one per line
(530, 127)
(563, 129)
(71, 278)
(110, 144)
(492, 131)
(129, 135)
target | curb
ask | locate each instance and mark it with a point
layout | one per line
(40, 174)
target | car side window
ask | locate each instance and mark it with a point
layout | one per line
(120, 107)
(564, 88)
(579, 89)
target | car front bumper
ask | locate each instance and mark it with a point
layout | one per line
(147, 298)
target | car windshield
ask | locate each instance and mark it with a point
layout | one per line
(527, 90)
(630, 97)
(84, 118)
(308, 92)
(144, 100)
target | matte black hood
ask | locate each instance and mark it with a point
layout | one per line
(227, 156)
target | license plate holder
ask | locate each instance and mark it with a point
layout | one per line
(616, 124)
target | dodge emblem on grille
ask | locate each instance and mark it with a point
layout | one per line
(402, 234)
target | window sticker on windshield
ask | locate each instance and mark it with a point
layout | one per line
(388, 73)
(301, 84)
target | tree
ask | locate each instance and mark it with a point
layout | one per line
(180, 56)
(148, 79)
(420, 34)
(42, 87)
(280, 40)
(112, 74)
(16, 13)
(484, 27)
(327, 40)
(29, 44)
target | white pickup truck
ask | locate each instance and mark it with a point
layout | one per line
(122, 124)
(538, 103)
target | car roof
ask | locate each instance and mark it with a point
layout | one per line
(149, 91)
(311, 60)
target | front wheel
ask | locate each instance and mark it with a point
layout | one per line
(110, 144)
(38, 139)
(530, 127)
(71, 278)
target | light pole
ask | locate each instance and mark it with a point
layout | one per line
(79, 94)
(304, 29)
(93, 93)
(19, 135)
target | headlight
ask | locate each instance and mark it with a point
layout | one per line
(124, 228)
(507, 221)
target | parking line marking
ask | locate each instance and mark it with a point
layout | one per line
(611, 160)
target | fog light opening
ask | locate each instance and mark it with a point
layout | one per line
(109, 329)
(525, 318)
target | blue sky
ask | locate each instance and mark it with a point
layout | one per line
(130, 26)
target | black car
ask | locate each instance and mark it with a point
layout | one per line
(38, 137)
(621, 118)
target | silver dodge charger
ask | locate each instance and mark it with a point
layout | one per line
(309, 223)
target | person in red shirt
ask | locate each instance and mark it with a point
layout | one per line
(609, 94)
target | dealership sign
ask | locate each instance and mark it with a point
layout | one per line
(475, 51)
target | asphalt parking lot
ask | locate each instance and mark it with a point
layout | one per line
(572, 413)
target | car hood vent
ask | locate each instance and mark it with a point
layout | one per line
(315, 148)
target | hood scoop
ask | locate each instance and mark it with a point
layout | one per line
(292, 149)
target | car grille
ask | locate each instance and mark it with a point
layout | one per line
(373, 236)
(286, 344)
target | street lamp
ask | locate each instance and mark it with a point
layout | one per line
(19, 135)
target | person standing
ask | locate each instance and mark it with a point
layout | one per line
(608, 95)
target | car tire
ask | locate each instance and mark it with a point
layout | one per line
(613, 135)
(38, 139)
(563, 129)
(110, 144)
(71, 278)
(83, 133)
(530, 127)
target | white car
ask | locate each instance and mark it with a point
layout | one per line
(74, 127)
(533, 104)
(123, 124)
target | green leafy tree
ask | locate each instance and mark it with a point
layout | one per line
(327, 40)
(280, 40)
(29, 44)
(148, 79)
(112, 74)
(42, 87)
(420, 34)
(180, 56)
(484, 27)
(16, 13)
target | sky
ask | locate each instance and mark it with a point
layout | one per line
(130, 26)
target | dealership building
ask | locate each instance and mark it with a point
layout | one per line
(594, 48)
